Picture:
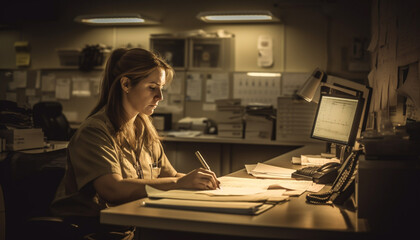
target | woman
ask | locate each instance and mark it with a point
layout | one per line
(116, 151)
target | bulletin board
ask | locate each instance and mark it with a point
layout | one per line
(77, 91)
(395, 51)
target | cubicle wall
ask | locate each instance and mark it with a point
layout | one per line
(192, 93)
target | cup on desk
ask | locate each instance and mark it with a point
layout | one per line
(384, 124)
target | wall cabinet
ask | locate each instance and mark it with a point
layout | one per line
(195, 53)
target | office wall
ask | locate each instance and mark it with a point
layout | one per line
(312, 33)
(395, 50)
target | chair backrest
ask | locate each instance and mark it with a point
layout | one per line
(29, 183)
(49, 116)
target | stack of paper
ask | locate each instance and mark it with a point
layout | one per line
(229, 118)
(236, 195)
(232, 189)
(316, 160)
(269, 173)
(248, 208)
(262, 170)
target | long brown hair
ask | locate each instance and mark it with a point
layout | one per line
(135, 64)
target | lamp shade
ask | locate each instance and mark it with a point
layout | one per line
(310, 87)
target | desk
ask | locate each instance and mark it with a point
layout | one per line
(225, 155)
(293, 219)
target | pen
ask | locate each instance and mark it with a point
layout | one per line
(201, 159)
(205, 165)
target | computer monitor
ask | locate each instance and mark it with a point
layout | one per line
(337, 119)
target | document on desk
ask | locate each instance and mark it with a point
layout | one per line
(232, 189)
(316, 160)
(262, 170)
(247, 208)
(267, 173)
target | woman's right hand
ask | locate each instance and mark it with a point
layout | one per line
(199, 178)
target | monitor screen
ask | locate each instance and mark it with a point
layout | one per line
(337, 119)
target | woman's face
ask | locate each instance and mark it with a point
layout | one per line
(145, 96)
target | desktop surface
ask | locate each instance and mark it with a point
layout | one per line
(293, 219)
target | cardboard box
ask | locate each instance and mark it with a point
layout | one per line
(21, 139)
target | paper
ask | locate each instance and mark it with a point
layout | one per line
(375, 30)
(193, 87)
(252, 89)
(270, 184)
(293, 184)
(411, 86)
(296, 160)
(253, 190)
(62, 88)
(96, 85)
(192, 195)
(316, 160)
(217, 87)
(20, 78)
(292, 187)
(81, 87)
(232, 191)
(175, 87)
(222, 207)
(269, 171)
(48, 83)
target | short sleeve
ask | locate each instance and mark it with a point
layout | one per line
(92, 154)
(167, 170)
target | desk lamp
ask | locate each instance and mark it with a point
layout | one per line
(310, 91)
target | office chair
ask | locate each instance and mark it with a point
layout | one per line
(29, 182)
(49, 116)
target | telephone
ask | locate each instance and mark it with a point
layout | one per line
(343, 186)
(319, 174)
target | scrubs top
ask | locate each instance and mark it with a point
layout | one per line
(93, 152)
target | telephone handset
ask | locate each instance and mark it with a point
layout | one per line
(343, 186)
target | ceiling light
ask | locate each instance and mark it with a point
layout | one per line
(263, 74)
(237, 16)
(121, 19)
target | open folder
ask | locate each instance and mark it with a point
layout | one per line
(247, 208)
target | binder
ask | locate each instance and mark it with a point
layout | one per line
(245, 208)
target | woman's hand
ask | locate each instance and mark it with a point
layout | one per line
(199, 179)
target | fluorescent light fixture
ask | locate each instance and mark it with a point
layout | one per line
(237, 16)
(110, 20)
(263, 74)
